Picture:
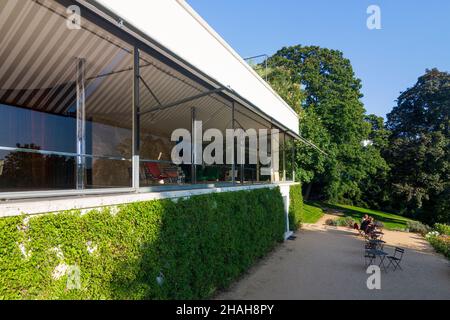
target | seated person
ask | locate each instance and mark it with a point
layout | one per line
(366, 217)
(371, 227)
(365, 224)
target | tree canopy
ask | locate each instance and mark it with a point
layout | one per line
(418, 149)
(331, 115)
(401, 165)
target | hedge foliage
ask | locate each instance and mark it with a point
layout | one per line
(152, 250)
(441, 244)
(440, 239)
(443, 229)
(295, 207)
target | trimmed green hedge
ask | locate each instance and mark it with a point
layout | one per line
(295, 207)
(193, 247)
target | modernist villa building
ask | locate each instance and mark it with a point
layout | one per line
(91, 92)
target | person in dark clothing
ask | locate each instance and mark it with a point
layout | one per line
(365, 224)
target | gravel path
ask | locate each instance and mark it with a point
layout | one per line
(327, 263)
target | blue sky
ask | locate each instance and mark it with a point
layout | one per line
(415, 36)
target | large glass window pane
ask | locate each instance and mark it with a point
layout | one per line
(290, 164)
(108, 112)
(27, 128)
(215, 115)
(108, 173)
(160, 87)
(249, 172)
(281, 158)
(24, 171)
(42, 91)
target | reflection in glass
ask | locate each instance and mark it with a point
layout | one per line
(250, 173)
(23, 171)
(160, 86)
(26, 126)
(108, 173)
(207, 174)
(290, 160)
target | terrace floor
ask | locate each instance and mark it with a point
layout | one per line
(327, 263)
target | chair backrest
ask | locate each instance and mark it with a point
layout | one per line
(370, 246)
(153, 169)
(398, 253)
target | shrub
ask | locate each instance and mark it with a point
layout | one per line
(417, 227)
(151, 250)
(379, 224)
(296, 209)
(331, 222)
(441, 243)
(432, 234)
(442, 229)
(346, 222)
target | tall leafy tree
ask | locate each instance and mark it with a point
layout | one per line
(418, 152)
(375, 186)
(379, 133)
(331, 88)
(424, 108)
(310, 162)
(333, 118)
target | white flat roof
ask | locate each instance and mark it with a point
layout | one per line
(176, 26)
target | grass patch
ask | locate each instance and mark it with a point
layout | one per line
(390, 221)
(311, 213)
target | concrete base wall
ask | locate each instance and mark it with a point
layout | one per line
(285, 189)
(86, 203)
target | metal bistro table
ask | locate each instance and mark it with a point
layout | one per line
(377, 244)
(380, 254)
(378, 234)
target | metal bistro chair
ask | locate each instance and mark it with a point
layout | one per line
(369, 258)
(369, 245)
(396, 259)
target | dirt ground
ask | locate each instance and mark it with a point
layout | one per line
(328, 263)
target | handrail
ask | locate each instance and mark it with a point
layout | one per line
(64, 154)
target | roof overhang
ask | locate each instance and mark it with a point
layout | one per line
(176, 31)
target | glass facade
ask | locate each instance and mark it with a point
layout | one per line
(253, 170)
(66, 111)
(215, 115)
(65, 102)
(159, 87)
(289, 148)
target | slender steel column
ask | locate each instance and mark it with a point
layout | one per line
(272, 155)
(233, 163)
(293, 161)
(81, 124)
(284, 156)
(258, 167)
(136, 119)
